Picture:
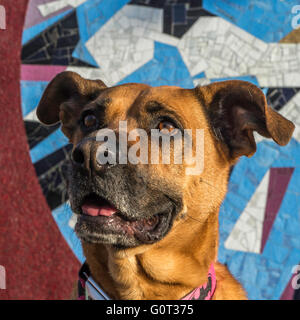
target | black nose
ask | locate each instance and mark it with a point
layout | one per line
(78, 156)
(81, 154)
(84, 155)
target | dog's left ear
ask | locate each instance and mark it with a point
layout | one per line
(236, 109)
(65, 86)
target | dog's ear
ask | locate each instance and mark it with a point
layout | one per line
(63, 87)
(236, 109)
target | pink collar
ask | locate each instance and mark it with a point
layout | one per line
(89, 290)
(206, 291)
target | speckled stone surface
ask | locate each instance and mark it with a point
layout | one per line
(38, 262)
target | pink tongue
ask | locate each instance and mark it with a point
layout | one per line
(93, 210)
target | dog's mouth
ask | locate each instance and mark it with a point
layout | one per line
(100, 221)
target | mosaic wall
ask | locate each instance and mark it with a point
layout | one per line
(184, 43)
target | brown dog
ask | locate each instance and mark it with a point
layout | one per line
(150, 231)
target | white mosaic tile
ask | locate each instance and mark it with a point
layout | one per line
(230, 51)
(51, 7)
(246, 234)
(201, 82)
(126, 41)
(91, 73)
(163, 37)
(72, 221)
(212, 45)
(31, 116)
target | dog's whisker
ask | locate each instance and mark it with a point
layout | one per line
(201, 180)
(194, 219)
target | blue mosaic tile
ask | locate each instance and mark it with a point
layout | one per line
(55, 44)
(50, 144)
(82, 53)
(62, 215)
(236, 263)
(271, 251)
(166, 68)
(268, 20)
(30, 33)
(281, 252)
(93, 14)
(199, 75)
(31, 93)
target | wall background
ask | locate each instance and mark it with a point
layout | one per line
(175, 42)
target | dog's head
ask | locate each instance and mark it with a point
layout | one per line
(130, 203)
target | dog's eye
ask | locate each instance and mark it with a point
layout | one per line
(166, 126)
(90, 121)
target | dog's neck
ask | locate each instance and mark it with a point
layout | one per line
(158, 272)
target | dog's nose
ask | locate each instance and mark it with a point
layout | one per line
(88, 154)
(81, 154)
(78, 156)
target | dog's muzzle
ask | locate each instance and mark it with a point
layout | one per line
(117, 204)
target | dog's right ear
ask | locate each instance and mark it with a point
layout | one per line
(62, 88)
(235, 110)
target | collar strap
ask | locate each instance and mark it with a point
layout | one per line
(206, 291)
(88, 289)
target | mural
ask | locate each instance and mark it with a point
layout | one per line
(184, 43)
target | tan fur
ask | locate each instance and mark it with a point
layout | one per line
(177, 264)
(172, 267)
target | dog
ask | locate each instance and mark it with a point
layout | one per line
(150, 231)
